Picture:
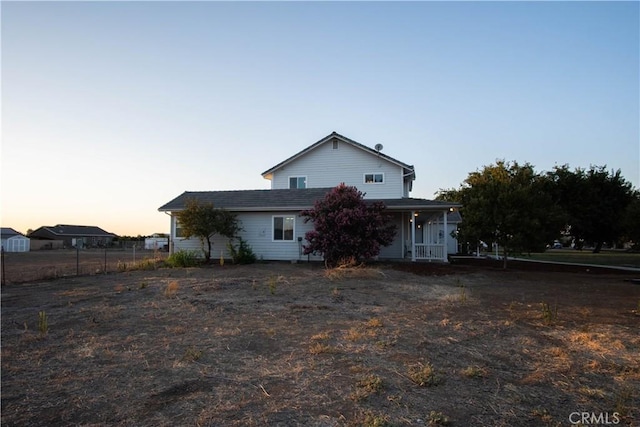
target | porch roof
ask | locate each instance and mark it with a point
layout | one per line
(287, 199)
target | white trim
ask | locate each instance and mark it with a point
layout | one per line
(445, 227)
(364, 177)
(176, 223)
(413, 235)
(306, 184)
(273, 229)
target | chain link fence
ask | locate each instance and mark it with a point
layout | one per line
(18, 267)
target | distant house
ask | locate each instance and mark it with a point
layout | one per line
(83, 236)
(271, 221)
(12, 241)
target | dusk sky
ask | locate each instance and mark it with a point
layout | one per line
(111, 109)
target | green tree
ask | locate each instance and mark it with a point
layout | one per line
(346, 227)
(508, 204)
(594, 200)
(631, 221)
(449, 195)
(204, 221)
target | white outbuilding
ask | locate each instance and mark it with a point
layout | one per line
(12, 241)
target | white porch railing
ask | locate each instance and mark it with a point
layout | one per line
(424, 251)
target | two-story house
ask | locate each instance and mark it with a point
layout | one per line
(271, 220)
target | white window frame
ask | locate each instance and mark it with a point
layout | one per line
(373, 176)
(284, 219)
(298, 180)
(176, 228)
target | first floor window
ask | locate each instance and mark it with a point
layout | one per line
(178, 228)
(283, 228)
(298, 182)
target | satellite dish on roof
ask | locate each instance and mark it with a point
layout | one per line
(379, 147)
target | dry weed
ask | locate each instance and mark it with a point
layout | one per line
(172, 289)
(351, 270)
(366, 386)
(322, 336)
(375, 322)
(320, 348)
(474, 372)
(424, 375)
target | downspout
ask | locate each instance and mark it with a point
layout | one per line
(410, 185)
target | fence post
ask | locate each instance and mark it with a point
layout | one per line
(105, 260)
(77, 259)
(2, 262)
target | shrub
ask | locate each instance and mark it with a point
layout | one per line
(243, 254)
(183, 259)
(346, 227)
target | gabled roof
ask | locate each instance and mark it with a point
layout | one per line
(75, 230)
(7, 233)
(283, 199)
(409, 170)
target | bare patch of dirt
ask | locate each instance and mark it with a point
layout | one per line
(282, 344)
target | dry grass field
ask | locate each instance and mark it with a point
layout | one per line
(282, 345)
(23, 267)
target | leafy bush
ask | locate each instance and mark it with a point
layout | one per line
(346, 228)
(243, 254)
(183, 259)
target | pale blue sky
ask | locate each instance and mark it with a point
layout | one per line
(111, 109)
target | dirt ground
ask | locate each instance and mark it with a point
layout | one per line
(465, 344)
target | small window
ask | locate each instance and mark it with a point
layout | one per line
(283, 228)
(373, 178)
(335, 144)
(178, 228)
(297, 182)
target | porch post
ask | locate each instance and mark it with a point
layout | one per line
(413, 236)
(403, 240)
(446, 238)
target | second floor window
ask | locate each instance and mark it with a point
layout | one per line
(373, 178)
(298, 182)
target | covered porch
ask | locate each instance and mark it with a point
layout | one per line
(427, 238)
(425, 230)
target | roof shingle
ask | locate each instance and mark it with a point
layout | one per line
(284, 199)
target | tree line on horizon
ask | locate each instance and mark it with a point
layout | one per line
(523, 210)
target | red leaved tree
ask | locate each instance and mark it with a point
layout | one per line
(346, 227)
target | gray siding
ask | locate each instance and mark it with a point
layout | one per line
(328, 167)
(396, 249)
(258, 232)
